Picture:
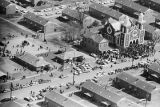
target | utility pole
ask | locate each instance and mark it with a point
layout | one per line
(11, 89)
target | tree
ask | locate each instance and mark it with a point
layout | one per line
(70, 33)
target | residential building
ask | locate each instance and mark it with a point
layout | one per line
(153, 4)
(102, 12)
(7, 7)
(93, 42)
(31, 62)
(39, 23)
(134, 86)
(55, 99)
(135, 10)
(100, 94)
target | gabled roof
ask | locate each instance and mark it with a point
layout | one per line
(148, 28)
(68, 55)
(61, 100)
(4, 3)
(155, 67)
(32, 60)
(98, 90)
(73, 14)
(10, 104)
(144, 86)
(94, 36)
(132, 5)
(2, 74)
(115, 24)
(156, 1)
(106, 10)
(35, 18)
(126, 77)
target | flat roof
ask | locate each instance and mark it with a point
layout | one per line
(149, 28)
(98, 90)
(126, 77)
(106, 10)
(144, 86)
(132, 5)
(61, 100)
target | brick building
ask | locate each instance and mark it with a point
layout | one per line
(39, 23)
(134, 86)
(93, 42)
(54, 99)
(7, 8)
(31, 62)
(100, 94)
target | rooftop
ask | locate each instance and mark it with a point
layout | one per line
(10, 104)
(73, 14)
(132, 5)
(144, 86)
(149, 28)
(2, 74)
(155, 67)
(43, 7)
(68, 54)
(4, 3)
(156, 1)
(94, 36)
(106, 10)
(35, 18)
(126, 77)
(32, 60)
(98, 90)
(61, 100)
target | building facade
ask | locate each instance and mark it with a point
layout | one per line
(101, 95)
(39, 23)
(134, 86)
(7, 8)
(124, 32)
(94, 43)
(30, 62)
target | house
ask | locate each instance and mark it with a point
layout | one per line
(31, 62)
(7, 8)
(100, 94)
(34, 2)
(102, 12)
(55, 99)
(39, 23)
(43, 8)
(134, 86)
(149, 31)
(93, 42)
(153, 4)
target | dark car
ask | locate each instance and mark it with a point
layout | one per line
(5, 100)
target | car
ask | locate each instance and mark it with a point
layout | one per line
(28, 99)
(93, 55)
(5, 100)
